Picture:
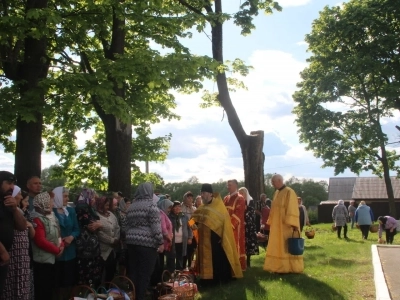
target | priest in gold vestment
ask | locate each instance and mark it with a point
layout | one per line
(217, 259)
(283, 219)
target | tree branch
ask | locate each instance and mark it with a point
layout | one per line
(192, 8)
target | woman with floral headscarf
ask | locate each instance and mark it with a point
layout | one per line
(66, 264)
(109, 236)
(89, 262)
(46, 247)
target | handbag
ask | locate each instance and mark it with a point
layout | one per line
(296, 245)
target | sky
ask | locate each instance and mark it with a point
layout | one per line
(203, 144)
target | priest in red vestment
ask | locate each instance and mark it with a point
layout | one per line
(236, 206)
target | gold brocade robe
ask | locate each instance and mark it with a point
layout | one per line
(214, 217)
(236, 206)
(284, 214)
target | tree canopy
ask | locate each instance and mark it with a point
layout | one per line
(350, 86)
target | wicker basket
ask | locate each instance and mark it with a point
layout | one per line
(334, 228)
(83, 291)
(185, 292)
(310, 232)
(126, 285)
(261, 238)
(358, 226)
(169, 297)
(374, 228)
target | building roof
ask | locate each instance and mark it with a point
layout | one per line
(341, 188)
(374, 188)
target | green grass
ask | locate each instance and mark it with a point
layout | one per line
(334, 269)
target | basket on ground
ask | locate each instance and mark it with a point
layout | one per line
(374, 228)
(309, 232)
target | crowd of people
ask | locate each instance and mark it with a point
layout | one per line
(362, 217)
(48, 247)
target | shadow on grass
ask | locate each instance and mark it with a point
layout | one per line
(354, 241)
(310, 287)
(313, 247)
(340, 263)
(260, 285)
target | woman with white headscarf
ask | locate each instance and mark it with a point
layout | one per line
(250, 226)
(18, 281)
(69, 229)
(339, 216)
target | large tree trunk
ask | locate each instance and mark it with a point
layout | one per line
(388, 183)
(118, 133)
(251, 145)
(28, 150)
(119, 151)
(31, 71)
(253, 162)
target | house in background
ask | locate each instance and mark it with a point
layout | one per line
(370, 189)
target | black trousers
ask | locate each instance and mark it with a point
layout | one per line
(187, 260)
(110, 267)
(175, 259)
(364, 231)
(44, 280)
(141, 265)
(390, 236)
(339, 230)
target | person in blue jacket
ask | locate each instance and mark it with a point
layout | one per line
(66, 263)
(364, 217)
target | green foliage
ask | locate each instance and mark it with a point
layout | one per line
(51, 178)
(351, 84)
(311, 192)
(313, 216)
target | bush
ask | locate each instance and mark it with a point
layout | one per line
(313, 216)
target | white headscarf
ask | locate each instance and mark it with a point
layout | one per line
(340, 202)
(248, 197)
(58, 199)
(155, 199)
(16, 190)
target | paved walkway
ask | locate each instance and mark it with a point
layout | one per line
(386, 262)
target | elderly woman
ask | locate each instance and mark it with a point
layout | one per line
(66, 263)
(182, 237)
(389, 224)
(364, 217)
(143, 237)
(250, 227)
(89, 261)
(339, 216)
(109, 236)
(46, 247)
(18, 282)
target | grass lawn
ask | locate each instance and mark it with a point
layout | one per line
(334, 269)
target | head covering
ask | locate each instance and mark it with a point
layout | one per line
(382, 219)
(206, 187)
(164, 204)
(155, 199)
(59, 199)
(100, 203)
(41, 202)
(144, 191)
(340, 202)
(362, 203)
(16, 190)
(86, 196)
(5, 175)
(247, 195)
(175, 203)
(122, 204)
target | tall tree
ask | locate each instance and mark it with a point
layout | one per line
(251, 145)
(113, 68)
(350, 86)
(26, 31)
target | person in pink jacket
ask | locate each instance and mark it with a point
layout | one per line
(389, 224)
(164, 206)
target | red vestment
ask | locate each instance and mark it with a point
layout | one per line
(236, 206)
